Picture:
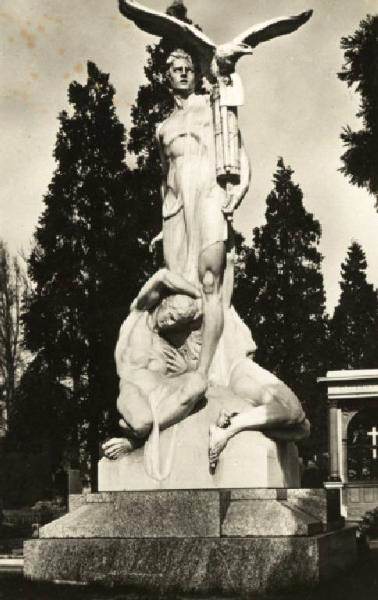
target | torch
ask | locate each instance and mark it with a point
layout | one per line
(226, 96)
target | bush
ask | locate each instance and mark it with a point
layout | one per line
(21, 523)
(24, 478)
(369, 524)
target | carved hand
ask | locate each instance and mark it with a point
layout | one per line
(175, 362)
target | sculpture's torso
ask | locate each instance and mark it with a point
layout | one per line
(186, 138)
(187, 142)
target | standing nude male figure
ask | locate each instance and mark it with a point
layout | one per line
(196, 209)
(194, 205)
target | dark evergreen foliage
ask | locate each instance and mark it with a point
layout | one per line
(354, 326)
(361, 69)
(280, 294)
(40, 420)
(85, 264)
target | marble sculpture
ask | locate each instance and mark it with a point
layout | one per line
(183, 341)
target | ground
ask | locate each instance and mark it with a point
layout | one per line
(360, 583)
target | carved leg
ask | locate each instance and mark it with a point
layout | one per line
(254, 418)
(182, 394)
(211, 271)
(177, 398)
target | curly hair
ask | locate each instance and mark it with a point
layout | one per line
(177, 54)
(181, 309)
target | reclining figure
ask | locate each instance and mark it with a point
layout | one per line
(157, 358)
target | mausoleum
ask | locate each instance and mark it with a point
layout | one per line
(353, 438)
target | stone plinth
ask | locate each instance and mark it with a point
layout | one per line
(250, 459)
(229, 541)
(193, 565)
(182, 513)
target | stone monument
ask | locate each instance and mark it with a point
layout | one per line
(204, 478)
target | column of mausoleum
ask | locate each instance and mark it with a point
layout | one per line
(334, 458)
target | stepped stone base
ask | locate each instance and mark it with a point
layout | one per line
(230, 541)
(188, 565)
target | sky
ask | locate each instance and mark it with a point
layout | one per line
(295, 106)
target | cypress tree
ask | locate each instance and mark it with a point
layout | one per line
(281, 296)
(85, 261)
(354, 326)
(360, 69)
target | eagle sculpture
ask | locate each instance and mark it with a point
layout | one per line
(215, 59)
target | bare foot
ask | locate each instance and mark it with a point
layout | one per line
(218, 438)
(224, 418)
(116, 447)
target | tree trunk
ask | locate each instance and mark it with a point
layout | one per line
(94, 454)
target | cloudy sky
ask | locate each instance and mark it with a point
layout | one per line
(295, 105)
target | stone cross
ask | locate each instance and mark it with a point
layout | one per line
(374, 435)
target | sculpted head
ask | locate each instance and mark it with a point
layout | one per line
(181, 73)
(176, 313)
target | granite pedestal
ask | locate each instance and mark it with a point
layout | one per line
(248, 528)
(234, 541)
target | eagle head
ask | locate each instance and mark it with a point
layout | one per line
(228, 54)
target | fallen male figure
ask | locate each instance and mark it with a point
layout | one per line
(157, 357)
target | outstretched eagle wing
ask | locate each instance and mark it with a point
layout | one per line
(166, 26)
(271, 29)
